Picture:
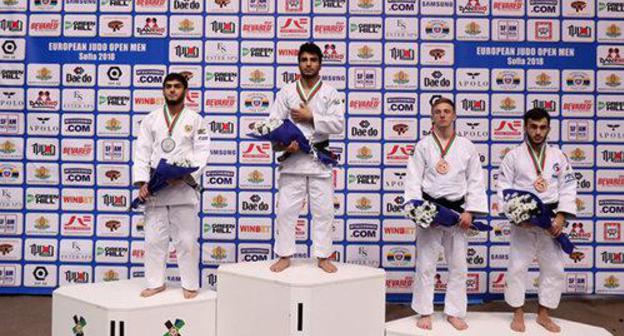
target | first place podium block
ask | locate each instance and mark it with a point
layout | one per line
(302, 300)
(116, 309)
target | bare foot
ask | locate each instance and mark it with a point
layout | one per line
(189, 294)
(517, 324)
(457, 322)
(147, 292)
(326, 265)
(424, 322)
(548, 324)
(280, 265)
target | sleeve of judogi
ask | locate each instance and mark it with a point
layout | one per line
(415, 174)
(476, 198)
(143, 151)
(332, 121)
(506, 174)
(279, 109)
(567, 187)
(201, 148)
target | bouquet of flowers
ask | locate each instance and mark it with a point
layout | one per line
(165, 171)
(426, 213)
(525, 207)
(283, 132)
(519, 207)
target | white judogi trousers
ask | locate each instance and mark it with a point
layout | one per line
(181, 223)
(429, 243)
(292, 193)
(526, 243)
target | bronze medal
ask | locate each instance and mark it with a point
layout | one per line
(442, 167)
(539, 161)
(540, 184)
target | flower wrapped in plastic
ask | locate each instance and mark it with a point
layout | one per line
(166, 171)
(426, 213)
(283, 132)
(525, 207)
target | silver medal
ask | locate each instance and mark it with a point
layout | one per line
(168, 145)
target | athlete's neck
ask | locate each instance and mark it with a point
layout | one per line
(444, 133)
(174, 109)
(309, 82)
(536, 146)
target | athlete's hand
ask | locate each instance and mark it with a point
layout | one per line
(465, 220)
(301, 114)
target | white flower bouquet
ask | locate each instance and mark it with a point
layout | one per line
(519, 208)
(422, 214)
(525, 207)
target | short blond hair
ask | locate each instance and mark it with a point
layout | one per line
(442, 100)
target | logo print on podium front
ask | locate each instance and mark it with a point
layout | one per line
(79, 324)
(174, 328)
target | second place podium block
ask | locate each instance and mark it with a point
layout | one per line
(116, 309)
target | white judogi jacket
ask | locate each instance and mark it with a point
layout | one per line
(192, 142)
(464, 178)
(328, 109)
(517, 172)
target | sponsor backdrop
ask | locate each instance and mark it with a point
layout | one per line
(77, 77)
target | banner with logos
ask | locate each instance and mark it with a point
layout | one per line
(77, 76)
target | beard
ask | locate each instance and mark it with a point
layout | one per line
(305, 76)
(175, 101)
(308, 76)
(535, 143)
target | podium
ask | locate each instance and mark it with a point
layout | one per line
(116, 309)
(489, 324)
(303, 300)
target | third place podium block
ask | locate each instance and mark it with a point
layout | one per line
(302, 300)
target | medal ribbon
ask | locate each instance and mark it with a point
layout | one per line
(538, 161)
(444, 150)
(313, 91)
(171, 124)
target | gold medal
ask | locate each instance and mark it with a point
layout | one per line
(442, 167)
(540, 184)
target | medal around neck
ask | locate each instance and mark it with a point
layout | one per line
(313, 91)
(443, 166)
(540, 184)
(168, 145)
(539, 161)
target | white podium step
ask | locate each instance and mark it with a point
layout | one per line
(489, 324)
(116, 309)
(303, 300)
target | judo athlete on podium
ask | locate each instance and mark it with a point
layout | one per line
(543, 170)
(172, 132)
(318, 111)
(446, 169)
